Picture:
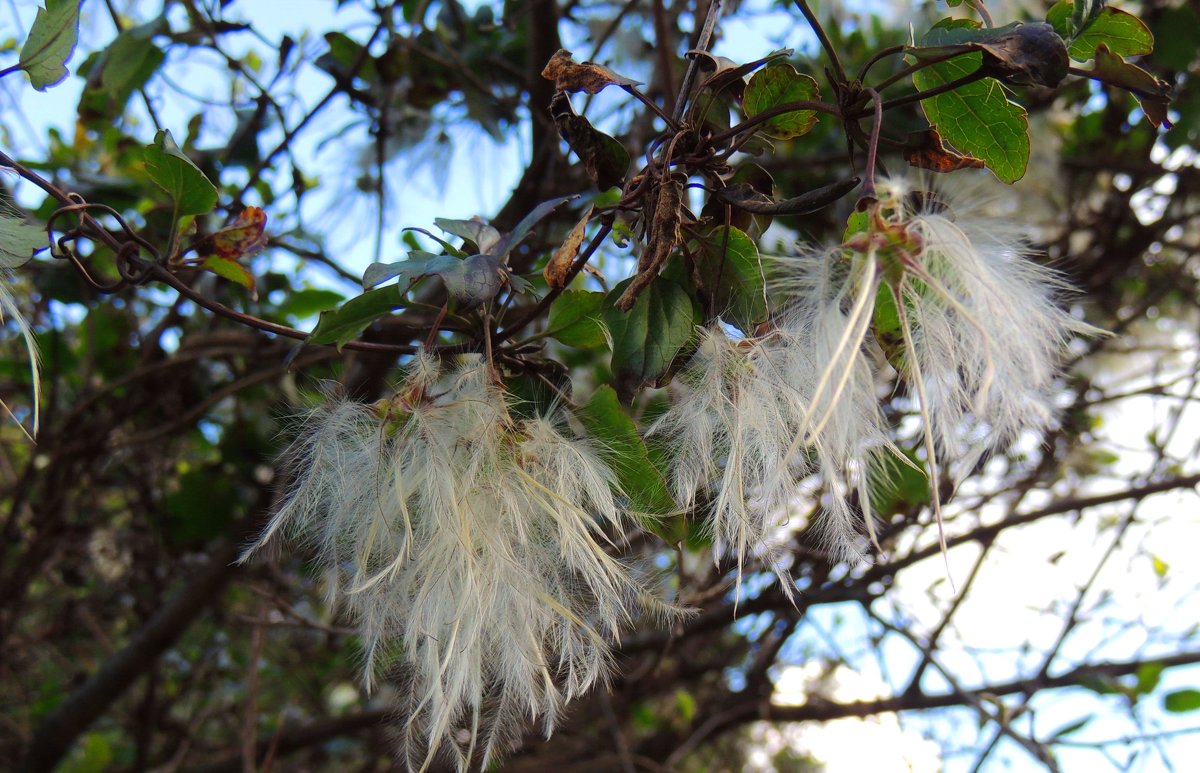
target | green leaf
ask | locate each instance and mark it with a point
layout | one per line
(897, 484)
(1148, 676)
(575, 319)
(175, 173)
(479, 233)
(18, 241)
(305, 303)
(50, 43)
(648, 337)
(685, 704)
(607, 422)
(1122, 32)
(347, 322)
(472, 280)
(1073, 727)
(1182, 701)
(605, 159)
(728, 267)
(976, 118)
(130, 61)
(777, 85)
(343, 52)
(232, 270)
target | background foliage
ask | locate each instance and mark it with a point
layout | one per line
(171, 376)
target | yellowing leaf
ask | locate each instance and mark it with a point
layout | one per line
(244, 236)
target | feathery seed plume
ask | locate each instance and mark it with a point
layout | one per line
(471, 552)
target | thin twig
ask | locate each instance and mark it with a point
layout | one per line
(705, 40)
(826, 44)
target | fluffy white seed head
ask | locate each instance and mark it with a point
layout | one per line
(736, 432)
(470, 547)
(989, 332)
(982, 331)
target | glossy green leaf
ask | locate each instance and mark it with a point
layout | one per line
(576, 321)
(648, 337)
(607, 422)
(347, 322)
(778, 85)
(977, 118)
(51, 42)
(18, 241)
(731, 276)
(175, 173)
(1122, 32)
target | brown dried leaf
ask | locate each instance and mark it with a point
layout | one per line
(557, 271)
(925, 150)
(1152, 94)
(663, 236)
(589, 77)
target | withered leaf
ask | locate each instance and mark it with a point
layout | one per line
(925, 150)
(1153, 94)
(662, 237)
(1029, 54)
(604, 158)
(243, 237)
(219, 251)
(1032, 54)
(723, 71)
(589, 77)
(745, 197)
(557, 271)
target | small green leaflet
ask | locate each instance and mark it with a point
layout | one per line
(976, 118)
(575, 319)
(727, 264)
(1182, 701)
(174, 172)
(646, 339)
(1122, 32)
(778, 85)
(51, 42)
(614, 431)
(131, 60)
(345, 323)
